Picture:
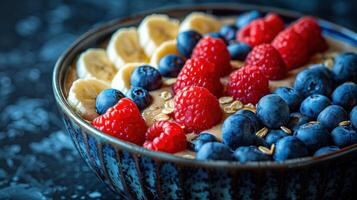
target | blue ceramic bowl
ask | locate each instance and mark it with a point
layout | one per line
(136, 173)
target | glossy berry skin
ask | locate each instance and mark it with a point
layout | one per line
(123, 121)
(313, 105)
(331, 116)
(296, 120)
(313, 135)
(249, 153)
(197, 109)
(274, 135)
(199, 72)
(268, 60)
(326, 150)
(260, 31)
(343, 136)
(215, 51)
(247, 17)
(140, 96)
(106, 99)
(353, 117)
(273, 111)
(214, 151)
(289, 147)
(345, 67)
(166, 136)
(186, 42)
(292, 48)
(317, 79)
(239, 51)
(228, 32)
(202, 139)
(290, 96)
(309, 30)
(237, 130)
(170, 65)
(247, 84)
(257, 125)
(146, 77)
(345, 95)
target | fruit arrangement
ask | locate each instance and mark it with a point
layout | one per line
(210, 90)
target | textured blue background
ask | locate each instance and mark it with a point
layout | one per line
(37, 159)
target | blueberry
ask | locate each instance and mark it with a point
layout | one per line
(238, 130)
(343, 136)
(290, 96)
(249, 153)
(186, 42)
(170, 65)
(245, 18)
(313, 135)
(216, 35)
(257, 125)
(296, 120)
(289, 147)
(345, 95)
(202, 139)
(146, 77)
(313, 105)
(316, 79)
(106, 99)
(326, 150)
(353, 117)
(214, 151)
(239, 51)
(228, 32)
(274, 135)
(331, 116)
(273, 111)
(345, 67)
(140, 96)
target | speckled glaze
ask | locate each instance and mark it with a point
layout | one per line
(136, 173)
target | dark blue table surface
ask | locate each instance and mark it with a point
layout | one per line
(37, 158)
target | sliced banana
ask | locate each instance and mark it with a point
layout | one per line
(156, 29)
(96, 64)
(124, 47)
(121, 80)
(82, 96)
(168, 47)
(200, 22)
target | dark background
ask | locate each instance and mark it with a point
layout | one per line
(37, 158)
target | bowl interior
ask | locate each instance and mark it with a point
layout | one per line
(64, 75)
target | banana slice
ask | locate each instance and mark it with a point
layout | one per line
(156, 29)
(96, 64)
(200, 22)
(121, 80)
(168, 47)
(124, 47)
(82, 96)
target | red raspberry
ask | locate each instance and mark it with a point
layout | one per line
(199, 72)
(166, 136)
(292, 48)
(310, 31)
(261, 30)
(123, 121)
(214, 50)
(197, 109)
(268, 60)
(247, 84)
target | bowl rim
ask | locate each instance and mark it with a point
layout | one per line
(60, 70)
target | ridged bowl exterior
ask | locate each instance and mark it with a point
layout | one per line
(135, 173)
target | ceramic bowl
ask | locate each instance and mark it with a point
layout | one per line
(136, 173)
